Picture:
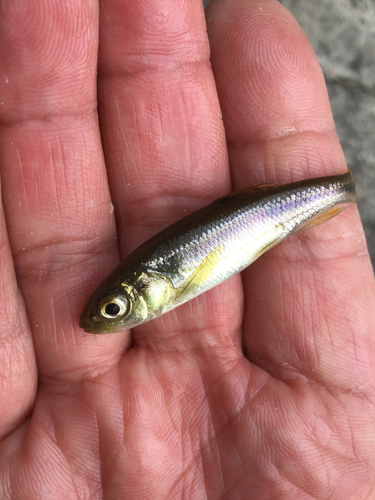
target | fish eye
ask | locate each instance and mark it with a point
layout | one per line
(113, 307)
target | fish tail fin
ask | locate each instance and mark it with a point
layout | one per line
(348, 180)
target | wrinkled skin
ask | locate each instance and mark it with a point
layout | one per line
(262, 388)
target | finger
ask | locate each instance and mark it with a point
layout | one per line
(57, 202)
(164, 142)
(18, 376)
(309, 302)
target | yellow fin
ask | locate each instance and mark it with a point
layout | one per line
(319, 219)
(199, 276)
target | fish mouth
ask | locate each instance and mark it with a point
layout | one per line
(87, 329)
(88, 324)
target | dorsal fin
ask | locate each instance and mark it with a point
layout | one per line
(260, 186)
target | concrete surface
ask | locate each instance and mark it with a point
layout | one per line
(342, 33)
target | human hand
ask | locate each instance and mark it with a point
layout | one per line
(260, 388)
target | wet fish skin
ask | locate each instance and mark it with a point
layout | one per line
(209, 246)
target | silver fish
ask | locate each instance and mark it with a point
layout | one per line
(209, 246)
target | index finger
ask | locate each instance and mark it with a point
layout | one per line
(58, 219)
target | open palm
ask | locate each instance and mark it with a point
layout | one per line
(261, 388)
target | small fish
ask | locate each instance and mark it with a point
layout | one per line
(209, 246)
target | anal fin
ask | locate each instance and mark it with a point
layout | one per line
(321, 218)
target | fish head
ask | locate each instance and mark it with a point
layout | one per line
(113, 309)
(120, 304)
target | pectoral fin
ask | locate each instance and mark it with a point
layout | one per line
(201, 274)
